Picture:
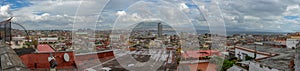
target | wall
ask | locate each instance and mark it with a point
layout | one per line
(291, 42)
(251, 54)
(40, 60)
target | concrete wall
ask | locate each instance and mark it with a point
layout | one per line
(242, 52)
(291, 42)
(253, 66)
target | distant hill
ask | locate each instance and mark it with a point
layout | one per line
(151, 25)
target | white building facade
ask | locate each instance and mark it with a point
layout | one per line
(241, 53)
(291, 43)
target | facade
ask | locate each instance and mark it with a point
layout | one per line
(48, 40)
(67, 60)
(291, 42)
(241, 53)
(277, 59)
(159, 27)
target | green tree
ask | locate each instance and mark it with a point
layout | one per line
(227, 64)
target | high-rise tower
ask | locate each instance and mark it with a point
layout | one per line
(159, 29)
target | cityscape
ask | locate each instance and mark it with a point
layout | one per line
(146, 35)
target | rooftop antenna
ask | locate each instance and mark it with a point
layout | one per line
(255, 52)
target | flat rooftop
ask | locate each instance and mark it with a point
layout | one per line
(280, 61)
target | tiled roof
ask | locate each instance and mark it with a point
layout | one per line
(45, 48)
(199, 53)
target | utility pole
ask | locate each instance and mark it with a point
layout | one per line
(10, 30)
(255, 52)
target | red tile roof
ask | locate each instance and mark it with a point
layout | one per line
(45, 48)
(199, 53)
(204, 66)
(39, 61)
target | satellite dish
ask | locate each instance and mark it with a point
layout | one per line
(51, 58)
(66, 57)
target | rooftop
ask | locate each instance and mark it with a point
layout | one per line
(271, 42)
(199, 53)
(280, 61)
(10, 61)
(45, 48)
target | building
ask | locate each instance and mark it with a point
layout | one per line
(10, 61)
(292, 39)
(159, 29)
(69, 61)
(199, 60)
(48, 40)
(274, 44)
(18, 42)
(291, 42)
(268, 58)
(241, 53)
(45, 48)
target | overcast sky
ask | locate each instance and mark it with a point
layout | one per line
(239, 15)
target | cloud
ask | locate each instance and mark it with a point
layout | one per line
(4, 11)
(261, 15)
(121, 13)
(254, 15)
(57, 14)
(291, 7)
(183, 6)
(61, 14)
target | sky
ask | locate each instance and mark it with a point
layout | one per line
(238, 15)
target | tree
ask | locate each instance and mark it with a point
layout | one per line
(227, 64)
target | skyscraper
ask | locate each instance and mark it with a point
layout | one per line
(159, 29)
